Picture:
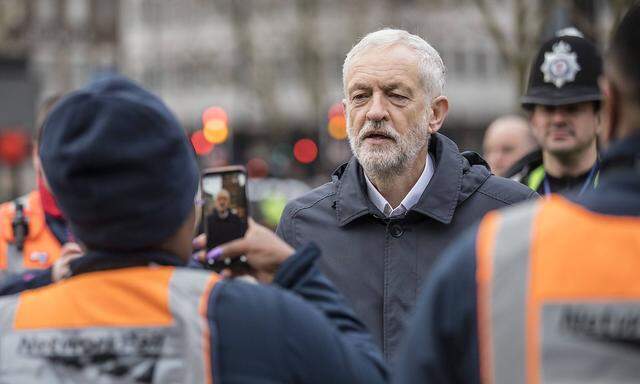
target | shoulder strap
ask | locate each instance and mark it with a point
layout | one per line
(18, 227)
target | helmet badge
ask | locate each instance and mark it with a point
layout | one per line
(561, 65)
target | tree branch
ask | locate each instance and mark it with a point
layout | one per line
(493, 27)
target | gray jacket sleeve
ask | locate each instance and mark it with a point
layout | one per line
(285, 226)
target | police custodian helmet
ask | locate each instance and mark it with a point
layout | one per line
(565, 71)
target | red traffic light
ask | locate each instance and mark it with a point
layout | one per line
(214, 113)
(305, 151)
(200, 143)
(14, 147)
(336, 109)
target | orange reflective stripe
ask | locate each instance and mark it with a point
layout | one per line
(4, 249)
(206, 334)
(126, 297)
(605, 247)
(485, 244)
(41, 247)
(6, 216)
(534, 261)
(578, 255)
(6, 232)
(532, 338)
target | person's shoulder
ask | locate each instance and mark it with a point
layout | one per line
(317, 197)
(255, 305)
(506, 190)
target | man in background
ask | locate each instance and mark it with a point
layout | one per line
(32, 227)
(507, 140)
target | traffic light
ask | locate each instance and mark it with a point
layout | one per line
(337, 126)
(305, 151)
(200, 143)
(215, 128)
(14, 146)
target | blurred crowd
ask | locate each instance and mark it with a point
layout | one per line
(415, 262)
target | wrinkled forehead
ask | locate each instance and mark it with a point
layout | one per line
(395, 63)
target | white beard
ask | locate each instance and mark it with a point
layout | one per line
(383, 162)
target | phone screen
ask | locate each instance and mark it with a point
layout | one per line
(224, 212)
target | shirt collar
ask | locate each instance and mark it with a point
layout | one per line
(409, 200)
(451, 184)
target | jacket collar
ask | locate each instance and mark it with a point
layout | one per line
(438, 200)
(624, 152)
(94, 261)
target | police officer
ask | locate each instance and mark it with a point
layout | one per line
(547, 292)
(124, 173)
(563, 103)
(32, 227)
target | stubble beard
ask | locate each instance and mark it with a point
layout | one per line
(383, 163)
(571, 152)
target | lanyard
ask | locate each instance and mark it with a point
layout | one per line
(589, 181)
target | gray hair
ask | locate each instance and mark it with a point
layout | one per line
(431, 68)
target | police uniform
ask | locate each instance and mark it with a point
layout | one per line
(565, 71)
(131, 312)
(26, 241)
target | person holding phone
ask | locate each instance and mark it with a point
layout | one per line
(131, 311)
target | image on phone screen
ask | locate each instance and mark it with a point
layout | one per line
(225, 205)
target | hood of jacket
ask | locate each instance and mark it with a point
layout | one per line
(456, 177)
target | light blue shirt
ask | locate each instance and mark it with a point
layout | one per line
(409, 200)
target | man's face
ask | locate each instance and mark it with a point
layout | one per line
(386, 107)
(505, 144)
(565, 129)
(222, 202)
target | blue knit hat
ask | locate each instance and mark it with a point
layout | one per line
(119, 164)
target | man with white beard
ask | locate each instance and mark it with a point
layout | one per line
(385, 216)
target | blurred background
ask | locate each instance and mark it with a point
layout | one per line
(259, 82)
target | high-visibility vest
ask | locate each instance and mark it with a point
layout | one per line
(41, 247)
(143, 324)
(558, 295)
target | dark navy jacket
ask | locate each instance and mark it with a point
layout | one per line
(442, 343)
(297, 330)
(379, 264)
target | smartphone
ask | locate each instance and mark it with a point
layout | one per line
(225, 206)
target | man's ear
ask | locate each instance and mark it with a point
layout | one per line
(439, 110)
(610, 109)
